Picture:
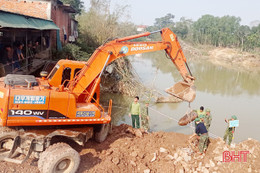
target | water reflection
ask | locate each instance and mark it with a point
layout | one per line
(210, 78)
(226, 92)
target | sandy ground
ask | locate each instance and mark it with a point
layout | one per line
(128, 150)
(232, 58)
(226, 57)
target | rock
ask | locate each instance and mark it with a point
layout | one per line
(218, 158)
(179, 159)
(110, 68)
(225, 148)
(133, 163)
(175, 156)
(212, 164)
(138, 133)
(163, 150)
(115, 160)
(187, 158)
(147, 171)
(207, 165)
(205, 170)
(181, 170)
(185, 166)
(109, 152)
(154, 157)
(134, 154)
(141, 155)
(169, 157)
(216, 151)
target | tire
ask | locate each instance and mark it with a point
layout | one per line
(45, 154)
(8, 137)
(63, 159)
(101, 135)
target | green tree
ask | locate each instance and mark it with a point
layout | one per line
(76, 4)
(183, 27)
(100, 24)
(242, 34)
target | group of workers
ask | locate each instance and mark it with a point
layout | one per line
(202, 123)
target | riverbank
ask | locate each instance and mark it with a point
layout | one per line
(231, 58)
(130, 150)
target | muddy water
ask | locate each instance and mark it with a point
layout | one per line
(226, 92)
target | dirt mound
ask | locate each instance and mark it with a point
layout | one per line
(232, 58)
(131, 150)
(167, 152)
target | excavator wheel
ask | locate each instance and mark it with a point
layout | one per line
(6, 143)
(44, 155)
(59, 158)
(102, 133)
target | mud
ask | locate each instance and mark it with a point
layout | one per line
(130, 150)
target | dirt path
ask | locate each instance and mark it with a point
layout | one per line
(127, 150)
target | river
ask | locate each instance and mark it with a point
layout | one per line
(226, 92)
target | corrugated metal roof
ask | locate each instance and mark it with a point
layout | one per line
(11, 20)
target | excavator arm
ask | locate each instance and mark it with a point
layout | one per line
(107, 53)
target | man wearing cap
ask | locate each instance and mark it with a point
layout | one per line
(145, 117)
(230, 130)
(202, 132)
(207, 119)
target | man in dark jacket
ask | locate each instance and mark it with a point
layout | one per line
(202, 132)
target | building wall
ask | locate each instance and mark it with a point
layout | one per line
(62, 19)
(39, 9)
(45, 9)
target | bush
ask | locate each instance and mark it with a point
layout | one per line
(71, 51)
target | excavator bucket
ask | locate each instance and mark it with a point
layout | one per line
(183, 90)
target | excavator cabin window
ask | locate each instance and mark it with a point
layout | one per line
(76, 71)
(66, 76)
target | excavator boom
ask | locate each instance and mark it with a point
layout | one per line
(118, 48)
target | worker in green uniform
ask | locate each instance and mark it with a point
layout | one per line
(201, 114)
(230, 130)
(207, 119)
(145, 117)
(135, 113)
(202, 132)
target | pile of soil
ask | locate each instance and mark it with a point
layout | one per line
(131, 150)
(232, 58)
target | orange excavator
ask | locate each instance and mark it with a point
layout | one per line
(36, 114)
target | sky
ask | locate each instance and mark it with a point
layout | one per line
(145, 11)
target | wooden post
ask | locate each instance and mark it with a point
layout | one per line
(26, 53)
